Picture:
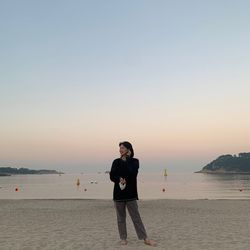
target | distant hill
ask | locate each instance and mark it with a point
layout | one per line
(7, 171)
(228, 164)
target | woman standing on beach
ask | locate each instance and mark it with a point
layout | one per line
(123, 173)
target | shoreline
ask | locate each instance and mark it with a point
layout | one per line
(220, 172)
(88, 199)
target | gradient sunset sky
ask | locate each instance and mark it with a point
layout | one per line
(78, 77)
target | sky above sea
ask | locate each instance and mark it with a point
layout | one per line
(77, 77)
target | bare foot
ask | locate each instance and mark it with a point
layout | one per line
(124, 242)
(150, 242)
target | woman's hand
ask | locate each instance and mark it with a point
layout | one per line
(122, 180)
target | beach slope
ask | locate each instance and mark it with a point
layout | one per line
(91, 224)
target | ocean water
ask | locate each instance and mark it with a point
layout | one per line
(149, 185)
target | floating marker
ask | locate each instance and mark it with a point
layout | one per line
(165, 172)
(163, 190)
(16, 189)
(78, 182)
(85, 189)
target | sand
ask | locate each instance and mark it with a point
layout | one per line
(91, 224)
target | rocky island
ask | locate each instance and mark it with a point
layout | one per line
(228, 164)
(7, 171)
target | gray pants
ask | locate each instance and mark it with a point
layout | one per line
(132, 207)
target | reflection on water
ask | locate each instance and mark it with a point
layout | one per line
(150, 186)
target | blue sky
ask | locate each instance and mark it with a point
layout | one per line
(77, 77)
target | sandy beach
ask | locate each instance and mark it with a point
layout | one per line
(91, 224)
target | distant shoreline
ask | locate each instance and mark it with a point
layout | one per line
(220, 172)
(228, 164)
(7, 174)
(9, 171)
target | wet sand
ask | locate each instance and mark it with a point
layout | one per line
(91, 224)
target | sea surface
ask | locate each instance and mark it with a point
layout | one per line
(150, 186)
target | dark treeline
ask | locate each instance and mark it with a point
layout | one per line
(234, 163)
(10, 170)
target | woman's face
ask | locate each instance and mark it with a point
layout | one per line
(123, 150)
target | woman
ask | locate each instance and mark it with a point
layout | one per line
(123, 173)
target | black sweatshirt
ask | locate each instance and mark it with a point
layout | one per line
(126, 169)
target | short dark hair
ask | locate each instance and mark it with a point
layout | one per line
(129, 146)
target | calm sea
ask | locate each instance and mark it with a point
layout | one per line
(150, 186)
